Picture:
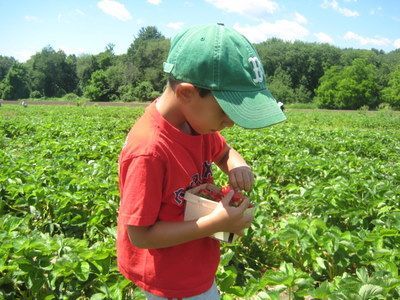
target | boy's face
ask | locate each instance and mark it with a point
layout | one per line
(205, 115)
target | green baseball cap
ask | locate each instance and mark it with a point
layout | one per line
(222, 60)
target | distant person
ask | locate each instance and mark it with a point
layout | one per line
(216, 80)
(281, 106)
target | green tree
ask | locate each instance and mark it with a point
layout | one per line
(392, 59)
(85, 66)
(391, 93)
(116, 79)
(149, 58)
(98, 87)
(280, 86)
(145, 58)
(350, 87)
(5, 65)
(144, 91)
(370, 56)
(16, 84)
(145, 34)
(302, 95)
(53, 74)
(106, 58)
(303, 62)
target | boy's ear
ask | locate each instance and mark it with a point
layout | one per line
(185, 91)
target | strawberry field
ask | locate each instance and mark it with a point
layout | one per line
(327, 196)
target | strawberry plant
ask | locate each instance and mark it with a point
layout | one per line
(327, 191)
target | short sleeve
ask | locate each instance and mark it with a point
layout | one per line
(141, 190)
(218, 145)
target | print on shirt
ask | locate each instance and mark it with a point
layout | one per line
(204, 177)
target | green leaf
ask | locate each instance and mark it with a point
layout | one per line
(278, 278)
(368, 291)
(98, 296)
(226, 257)
(321, 262)
(321, 292)
(362, 274)
(83, 271)
(227, 278)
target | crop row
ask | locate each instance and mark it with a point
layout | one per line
(327, 192)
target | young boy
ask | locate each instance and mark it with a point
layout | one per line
(216, 80)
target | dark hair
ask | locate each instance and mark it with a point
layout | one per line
(202, 91)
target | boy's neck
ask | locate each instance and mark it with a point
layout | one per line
(168, 107)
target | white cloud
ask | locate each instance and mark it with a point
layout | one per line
(324, 38)
(283, 29)
(300, 18)
(377, 41)
(335, 6)
(396, 43)
(250, 7)
(115, 9)
(175, 25)
(154, 2)
(31, 18)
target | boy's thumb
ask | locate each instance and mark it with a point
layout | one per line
(227, 198)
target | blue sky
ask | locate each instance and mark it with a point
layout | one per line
(88, 26)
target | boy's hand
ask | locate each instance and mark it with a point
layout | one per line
(241, 178)
(232, 163)
(229, 218)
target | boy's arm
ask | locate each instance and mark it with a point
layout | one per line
(166, 234)
(233, 164)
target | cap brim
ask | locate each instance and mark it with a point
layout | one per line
(250, 109)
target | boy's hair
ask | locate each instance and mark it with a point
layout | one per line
(172, 82)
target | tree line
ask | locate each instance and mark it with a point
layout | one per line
(297, 72)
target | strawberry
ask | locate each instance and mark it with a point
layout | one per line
(210, 195)
(237, 197)
(236, 200)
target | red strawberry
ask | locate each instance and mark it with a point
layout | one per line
(236, 200)
(237, 197)
(210, 195)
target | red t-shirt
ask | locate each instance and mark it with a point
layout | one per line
(156, 166)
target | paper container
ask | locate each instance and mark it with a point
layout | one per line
(197, 207)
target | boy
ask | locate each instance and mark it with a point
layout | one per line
(215, 80)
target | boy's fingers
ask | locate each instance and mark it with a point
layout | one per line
(245, 204)
(239, 180)
(248, 182)
(232, 180)
(251, 179)
(240, 233)
(226, 199)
